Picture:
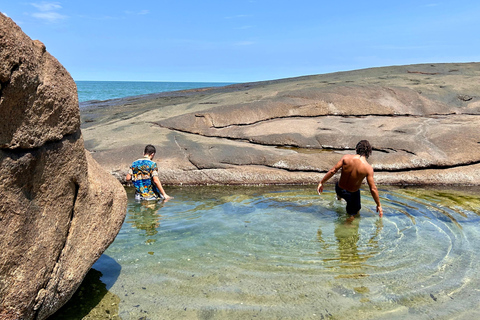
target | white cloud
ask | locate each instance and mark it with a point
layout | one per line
(48, 11)
(6, 15)
(49, 16)
(47, 6)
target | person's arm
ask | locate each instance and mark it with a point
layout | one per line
(157, 182)
(374, 192)
(128, 177)
(329, 174)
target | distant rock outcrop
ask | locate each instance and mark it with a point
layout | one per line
(58, 209)
(421, 119)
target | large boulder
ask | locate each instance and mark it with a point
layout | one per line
(422, 121)
(58, 210)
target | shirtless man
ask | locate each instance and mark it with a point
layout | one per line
(355, 168)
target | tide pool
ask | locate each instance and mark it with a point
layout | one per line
(283, 252)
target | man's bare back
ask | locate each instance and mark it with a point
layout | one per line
(355, 168)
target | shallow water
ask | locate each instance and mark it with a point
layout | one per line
(287, 253)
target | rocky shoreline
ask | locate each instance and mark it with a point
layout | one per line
(421, 119)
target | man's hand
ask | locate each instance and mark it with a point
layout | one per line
(166, 197)
(320, 188)
(380, 211)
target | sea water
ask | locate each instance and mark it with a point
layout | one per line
(284, 252)
(106, 90)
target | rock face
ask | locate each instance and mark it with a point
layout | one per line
(422, 121)
(58, 210)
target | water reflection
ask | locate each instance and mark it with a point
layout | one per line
(144, 215)
(285, 252)
(352, 253)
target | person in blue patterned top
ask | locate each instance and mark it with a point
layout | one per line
(144, 174)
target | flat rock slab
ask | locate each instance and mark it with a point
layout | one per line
(422, 121)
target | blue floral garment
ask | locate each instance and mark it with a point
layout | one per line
(142, 172)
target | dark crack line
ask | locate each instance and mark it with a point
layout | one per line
(319, 116)
(274, 167)
(185, 154)
(258, 143)
(211, 136)
(400, 170)
(386, 170)
(188, 158)
(389, 150)
(407, 115)
(430, 167)
(250, 140)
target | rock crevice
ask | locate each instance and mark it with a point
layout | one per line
(422, 121)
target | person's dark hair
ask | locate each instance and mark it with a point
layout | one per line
(364, 148)
(149, 149)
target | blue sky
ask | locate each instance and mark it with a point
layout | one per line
(245, 40)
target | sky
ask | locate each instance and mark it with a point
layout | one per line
(245, 40)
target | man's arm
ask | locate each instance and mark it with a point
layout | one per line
(129, 176)
(329, 174)
(157, 182)
(374, 192)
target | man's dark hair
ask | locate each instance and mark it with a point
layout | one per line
(364, 148)
(149, 149)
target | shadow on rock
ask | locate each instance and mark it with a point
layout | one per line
(92, 300)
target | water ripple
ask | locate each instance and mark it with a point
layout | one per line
(287, 252)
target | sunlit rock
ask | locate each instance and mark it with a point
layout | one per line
(422, 121)
(58, 209)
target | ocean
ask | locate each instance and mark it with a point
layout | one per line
(105, 90)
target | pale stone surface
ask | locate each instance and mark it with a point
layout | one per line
(58, 210)
(421, 119)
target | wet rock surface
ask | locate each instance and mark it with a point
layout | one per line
(422, 121)
(59, 210)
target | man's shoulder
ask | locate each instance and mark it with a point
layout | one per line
(368, 167)
(143, 162)
(348, 157)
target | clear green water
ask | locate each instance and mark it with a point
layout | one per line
(287, 253)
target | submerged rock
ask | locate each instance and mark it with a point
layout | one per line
(421, 119)
(59, 210)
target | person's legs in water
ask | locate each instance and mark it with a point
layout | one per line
(352, 198)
